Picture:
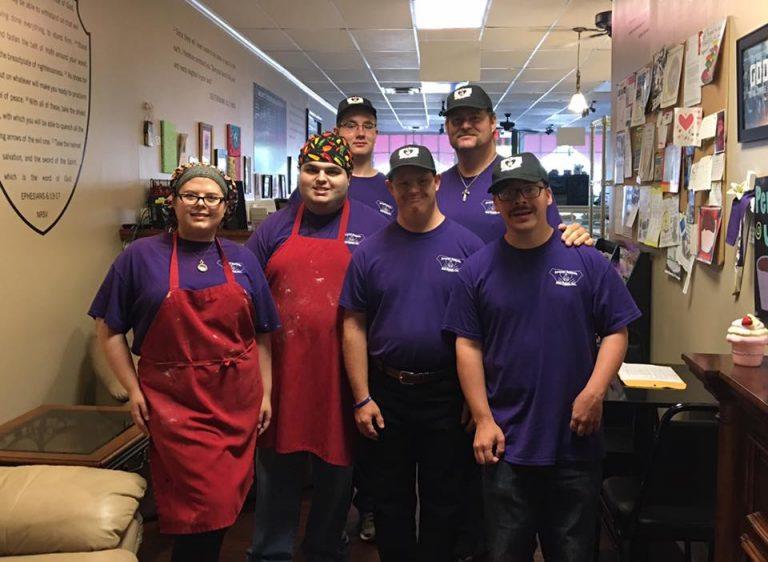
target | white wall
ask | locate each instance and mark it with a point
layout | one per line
(47, 282)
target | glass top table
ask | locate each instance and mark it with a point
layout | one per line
(82, 435)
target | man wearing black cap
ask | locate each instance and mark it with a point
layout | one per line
(402, 369)
(527, 313)
(356, 123)
(470, 123)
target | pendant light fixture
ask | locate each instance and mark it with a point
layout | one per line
(578, 101)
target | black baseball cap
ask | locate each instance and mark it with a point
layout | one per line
(524, 166)
(468, 96)
(411, 155)
(353, 102)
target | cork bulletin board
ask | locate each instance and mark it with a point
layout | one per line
(632, 193)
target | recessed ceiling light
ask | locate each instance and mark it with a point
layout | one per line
(448, 14)
(437, 87)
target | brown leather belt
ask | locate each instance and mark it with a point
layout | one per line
(411, 377)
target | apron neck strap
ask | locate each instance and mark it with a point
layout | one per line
(173, 281)
(342, 223)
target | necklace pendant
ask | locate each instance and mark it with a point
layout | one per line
(464, 195)
(202, 267)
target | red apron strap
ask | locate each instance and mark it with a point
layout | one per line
(173, 281)
(344, 221)
(297, 220)
(225, 263)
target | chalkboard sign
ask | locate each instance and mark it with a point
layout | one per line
(761, 248)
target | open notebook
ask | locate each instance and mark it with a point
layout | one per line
(639, 375)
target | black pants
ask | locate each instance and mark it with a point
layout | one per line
(559, 504)
(423, 435)
(198, 547)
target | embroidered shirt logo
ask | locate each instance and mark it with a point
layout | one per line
(353, 239)
(385, 208)
(451, 265)
(354, 99)
(462, 93)
(566, 277)
(409, 152)
(511, 163)
(236, 266)
(488, 207)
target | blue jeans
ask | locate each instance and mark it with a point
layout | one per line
(559, 504)
(279, 479)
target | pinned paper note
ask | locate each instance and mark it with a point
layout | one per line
(672, 71)
(701, 175)
(670, 224)
(692, 75)
(657, 87)
(720, 132)
(621, 112)
(655, 217)
(645, 168)
(644, 213)
(711, 39)
(718, 166)
(708, 126)
(672, 162)
(687, 125)
(630, 205)
(716, 195)
(709, 226)
(686, 252)
(642, 91)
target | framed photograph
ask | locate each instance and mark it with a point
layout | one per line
(752, 85)
(205, 142)
(314, 123)
(247, 177)
(221, 159)
(266, 186)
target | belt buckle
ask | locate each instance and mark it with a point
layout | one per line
(401, 377)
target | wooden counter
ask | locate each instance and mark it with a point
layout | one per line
(741, 531)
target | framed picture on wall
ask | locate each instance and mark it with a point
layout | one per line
(205, 142)
(752, 85)
(314, 123)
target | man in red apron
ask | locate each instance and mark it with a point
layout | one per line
(195, 305)
(305, 249)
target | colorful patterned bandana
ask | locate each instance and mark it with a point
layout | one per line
(328, 147)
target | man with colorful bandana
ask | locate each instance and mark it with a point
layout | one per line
(305, 249)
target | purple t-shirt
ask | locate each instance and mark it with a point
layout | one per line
(402, 281)
(371, 191)
(477, 212)
(138, 282)
(537, 313)
(363, 221)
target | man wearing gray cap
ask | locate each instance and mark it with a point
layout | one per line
(527, 314)
(402, 369)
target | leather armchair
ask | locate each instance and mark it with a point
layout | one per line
(69, 514)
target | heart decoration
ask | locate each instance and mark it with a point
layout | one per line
(685, 121)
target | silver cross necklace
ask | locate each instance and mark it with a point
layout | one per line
(465, 193)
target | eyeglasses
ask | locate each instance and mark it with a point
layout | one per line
(531, 191)
(352, 126)
(210, 200)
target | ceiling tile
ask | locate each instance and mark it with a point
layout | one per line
(293, 14)
(503, 59)
(329, 41)
(384, 60)
(402, 75)
(543, 75)
(307, 74)
(350, 75)
(240, 13)
(498, 74)
(268, 39)
(428, 35)
(510, 39)
(338, 61)
(525, 13)
(385, 39)
(370, 14)
(555, 59)
(292, 59)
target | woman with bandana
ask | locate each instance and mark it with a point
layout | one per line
(200, 310)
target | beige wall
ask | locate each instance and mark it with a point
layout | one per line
(697, 321)
(47, 282)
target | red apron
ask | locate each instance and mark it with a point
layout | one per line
(199, 372)
(311, 400)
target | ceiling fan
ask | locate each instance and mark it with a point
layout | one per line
(509, 126)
